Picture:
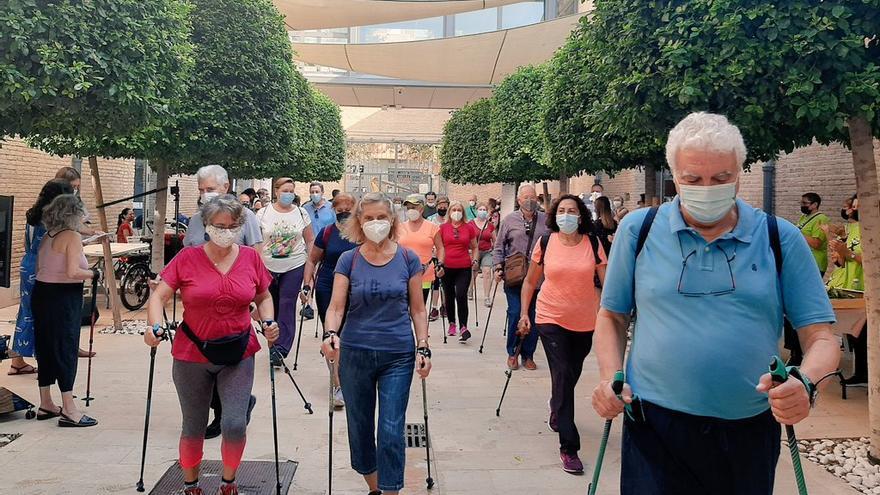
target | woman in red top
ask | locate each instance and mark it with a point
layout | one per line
(485, 240)
(458, 259)
(217, 282)
(123, 225)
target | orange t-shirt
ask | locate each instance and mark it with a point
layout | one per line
(421, 241)
(568, 296)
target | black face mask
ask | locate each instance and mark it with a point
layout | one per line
(805, 210)
(843, 214)
(442, 212)
(342, 216)
(855, 215)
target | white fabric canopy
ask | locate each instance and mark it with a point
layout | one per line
(479, 59)
(323, 14)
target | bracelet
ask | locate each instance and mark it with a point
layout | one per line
(423, 340)
(424, 352)
(328, 335)
(306, 289)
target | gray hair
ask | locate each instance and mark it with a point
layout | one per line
(705, 131)
(352, 229)
(313, 184)
(215, 172)
(225, 203)
(523, 187)
(65, 212)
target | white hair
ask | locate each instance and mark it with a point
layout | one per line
(705, 131)
(523, 187)
(215, 172)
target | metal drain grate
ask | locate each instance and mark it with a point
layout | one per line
(415, 435)
(7, 438)
(253, 478)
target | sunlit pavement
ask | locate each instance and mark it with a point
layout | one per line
(474, 452)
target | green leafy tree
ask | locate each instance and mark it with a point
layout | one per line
(320, 146)
(516, 139)
(464, 154)
(102, 69)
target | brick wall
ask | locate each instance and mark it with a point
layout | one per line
(24, 170)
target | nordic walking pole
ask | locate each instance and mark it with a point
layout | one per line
(509, 373)
(486, 329)
(476, 303)
(779, 374)
(617, 387)
(429, 480)
(330, 431)
(299, 334)
(306, 404)
(88, 398)
(140, 483)
(274, 414)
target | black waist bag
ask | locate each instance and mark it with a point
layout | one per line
(222, 351)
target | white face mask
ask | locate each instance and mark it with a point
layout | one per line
(208, 196)
(456, 216)
(223, 237)
(708, 204)
(618, 204)
(567, 223)
(595, 195)
(472, 203)
(377, 230)
(316, 198)
(413, 215)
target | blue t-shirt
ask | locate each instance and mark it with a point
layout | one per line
(703, 354)
(378, 314)
(333, 249)
(321, 217)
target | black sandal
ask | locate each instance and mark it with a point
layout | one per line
(44, 414)
(84, 422)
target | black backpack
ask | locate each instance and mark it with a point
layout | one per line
(594, 243)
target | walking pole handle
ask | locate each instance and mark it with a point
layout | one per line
(617, 384)
(778, 372)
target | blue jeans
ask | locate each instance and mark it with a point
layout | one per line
(513, 309)
(362, 374)
(670, 452)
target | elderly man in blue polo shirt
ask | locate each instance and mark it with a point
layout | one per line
(705, 417)
(320, 209)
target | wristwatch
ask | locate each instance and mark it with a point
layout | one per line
(306, 289)
(812, 391)
(424, 351)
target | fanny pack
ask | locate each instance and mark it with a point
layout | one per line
(223, 351)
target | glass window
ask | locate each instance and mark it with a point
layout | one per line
(479, 21)
(421, 29)
(567, 7)
(521, 14)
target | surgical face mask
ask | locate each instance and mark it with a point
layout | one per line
(708, 204)
(413, 215)
(805, 210)
(223, 237)
(482, 214)
(567, 222)
(456, 216)
(208, 196)
(529, 205)
(595, 195)
(316, 198)
(286, 198)
(442, 212)
(618, 204)
(472, 203)
(342, 216)
(377, 230)
(432, 203)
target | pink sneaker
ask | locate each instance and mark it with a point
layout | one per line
(228, 489)
(571, 463)
(451, 331)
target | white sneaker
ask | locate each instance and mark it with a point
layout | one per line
(338, 399)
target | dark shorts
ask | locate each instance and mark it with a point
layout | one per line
(673, 453)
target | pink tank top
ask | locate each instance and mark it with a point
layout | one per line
(52, 266)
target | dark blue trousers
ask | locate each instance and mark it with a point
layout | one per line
(673, 453)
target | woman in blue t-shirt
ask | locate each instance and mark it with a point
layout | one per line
(381, 283)
(329, 246)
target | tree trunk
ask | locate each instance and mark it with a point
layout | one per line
(548, 200)
(158, 261)
(109, 273)
(650, 184)
(861, 142)
(563, 183)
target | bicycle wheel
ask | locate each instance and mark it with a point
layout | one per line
(135, 286)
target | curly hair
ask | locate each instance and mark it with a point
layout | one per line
(585, 224)
(65, 212)
(50, 191)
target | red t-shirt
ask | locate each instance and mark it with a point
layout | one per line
(124, 232)
(457, 241)
(215, 305)
(485, 242)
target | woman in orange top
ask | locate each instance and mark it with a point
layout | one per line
(419, 235)
(566, 311)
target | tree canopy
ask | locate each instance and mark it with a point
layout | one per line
(90, 70)
(464, 153)
(327, 159)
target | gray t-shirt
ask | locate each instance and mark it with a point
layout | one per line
(250, 231)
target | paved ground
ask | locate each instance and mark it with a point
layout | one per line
(475, 452)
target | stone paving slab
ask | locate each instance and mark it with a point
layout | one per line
(474, 452)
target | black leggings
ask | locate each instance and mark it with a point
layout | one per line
(57, 317)
(456, 282)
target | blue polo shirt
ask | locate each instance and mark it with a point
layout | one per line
(322, 216)
(706, 329)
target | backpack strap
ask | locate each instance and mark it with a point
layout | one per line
(545, 239)
(594, 242)
(325, 235)
(775, 243)
(645, 229)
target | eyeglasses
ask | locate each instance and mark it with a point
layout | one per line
(695, 277)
